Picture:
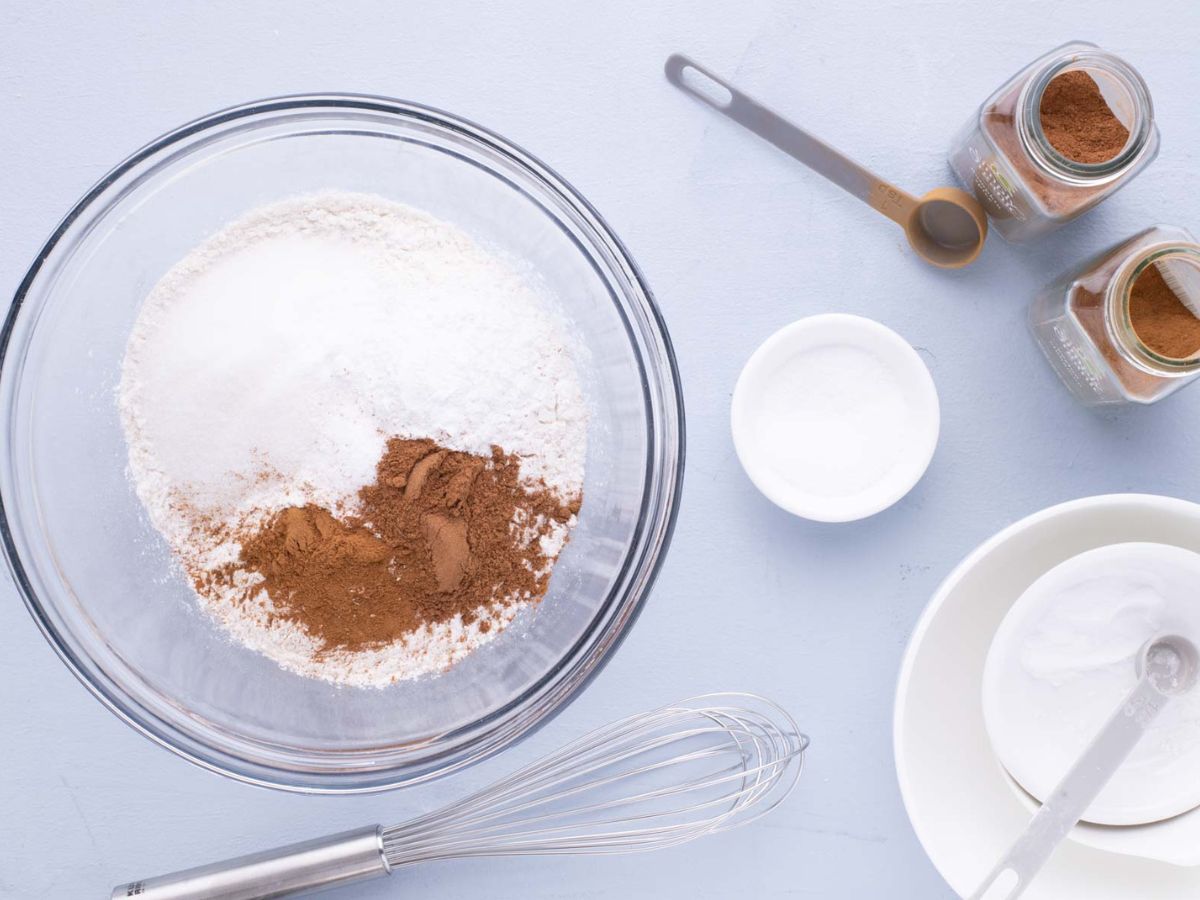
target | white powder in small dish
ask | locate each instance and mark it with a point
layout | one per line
(270, 366)
(1067, 653)
(833, 420)
(835, 417)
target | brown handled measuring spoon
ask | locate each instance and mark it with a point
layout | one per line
(946, 226)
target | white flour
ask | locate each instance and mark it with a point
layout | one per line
(268, 368)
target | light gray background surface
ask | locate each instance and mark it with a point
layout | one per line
(735, 241)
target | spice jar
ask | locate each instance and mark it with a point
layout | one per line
(1056, 139)
(1126, 329)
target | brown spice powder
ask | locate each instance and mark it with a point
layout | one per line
(999, 121)
(434, 538)
(1077, 120)
(1160, 319)
(1089, 307)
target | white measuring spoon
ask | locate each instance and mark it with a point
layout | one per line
(946, 226)
(1167, 668)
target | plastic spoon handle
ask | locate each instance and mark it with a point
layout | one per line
(1075, 793)
(797, 143)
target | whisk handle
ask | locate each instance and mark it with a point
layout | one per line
(284, 872)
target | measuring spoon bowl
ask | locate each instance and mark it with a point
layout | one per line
(947, 227)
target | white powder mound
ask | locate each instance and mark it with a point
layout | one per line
(270, 366)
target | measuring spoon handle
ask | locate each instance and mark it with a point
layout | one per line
(1074, 794)
(797, 143)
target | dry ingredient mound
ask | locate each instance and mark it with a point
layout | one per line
(1160, 319)
(360, 432)
(436, 532)
(1078, 121)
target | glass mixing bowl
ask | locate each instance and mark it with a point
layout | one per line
(100, 581)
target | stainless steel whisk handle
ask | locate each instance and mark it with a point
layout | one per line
(326, 862)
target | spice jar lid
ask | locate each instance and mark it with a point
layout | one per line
(835, 417)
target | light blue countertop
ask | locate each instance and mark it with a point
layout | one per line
(735, 240)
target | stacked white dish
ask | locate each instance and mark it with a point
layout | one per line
(965, 808)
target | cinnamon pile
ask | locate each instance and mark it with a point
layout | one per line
(1160, 319)
(1078, 122)
(439, 534)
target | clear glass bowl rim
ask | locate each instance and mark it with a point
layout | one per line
(664, 470)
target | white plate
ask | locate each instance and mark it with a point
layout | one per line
(964, 810)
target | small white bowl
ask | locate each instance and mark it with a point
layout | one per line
(1065, 656)
(966, 812)
(835, 417)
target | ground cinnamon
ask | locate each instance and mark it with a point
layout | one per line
(439, 534)
(1160, 319)
(1088, 304)
(1078, 121)
(999, 122)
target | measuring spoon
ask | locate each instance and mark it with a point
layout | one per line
(1167, 667)
(946, 226)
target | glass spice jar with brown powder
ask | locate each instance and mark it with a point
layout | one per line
(1057, 138)
(1126, 328)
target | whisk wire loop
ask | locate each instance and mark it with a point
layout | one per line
(652, 780)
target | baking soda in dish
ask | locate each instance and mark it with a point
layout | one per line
(834, 420)
(1067, 652)
(269, 369)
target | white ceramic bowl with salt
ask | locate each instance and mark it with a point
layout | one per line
(835, 417)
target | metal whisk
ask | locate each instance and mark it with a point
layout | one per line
(652, 780)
